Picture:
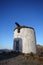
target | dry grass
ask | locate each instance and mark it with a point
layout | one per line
(24, 59)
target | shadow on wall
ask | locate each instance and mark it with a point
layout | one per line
(17, 46)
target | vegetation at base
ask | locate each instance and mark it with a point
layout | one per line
(17, 58)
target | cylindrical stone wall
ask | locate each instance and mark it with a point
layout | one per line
(27, 40)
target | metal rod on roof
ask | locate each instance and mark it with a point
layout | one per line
(17, 24)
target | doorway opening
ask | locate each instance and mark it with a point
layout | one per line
(17, 45)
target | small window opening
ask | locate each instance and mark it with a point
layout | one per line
(18, 30)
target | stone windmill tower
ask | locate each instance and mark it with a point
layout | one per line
(24, 39)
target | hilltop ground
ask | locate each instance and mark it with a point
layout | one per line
(22, 59)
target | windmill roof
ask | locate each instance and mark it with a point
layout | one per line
(23, 27)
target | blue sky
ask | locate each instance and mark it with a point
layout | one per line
(25, 12)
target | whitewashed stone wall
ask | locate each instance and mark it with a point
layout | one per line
(27, 39)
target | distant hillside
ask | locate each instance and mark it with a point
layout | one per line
(4, 50)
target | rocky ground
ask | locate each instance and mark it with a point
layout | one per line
(13, 58)
(23, 60)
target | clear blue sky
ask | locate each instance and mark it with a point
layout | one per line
(26, 12)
